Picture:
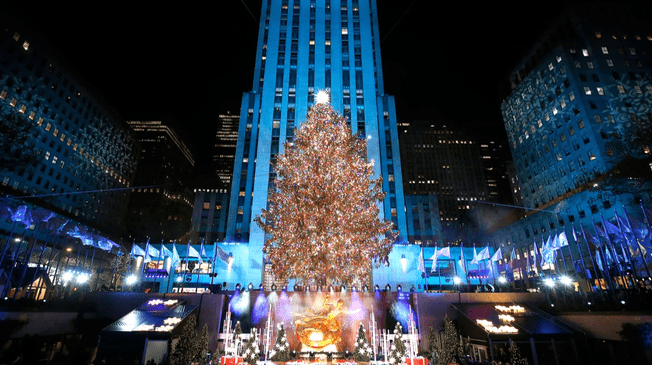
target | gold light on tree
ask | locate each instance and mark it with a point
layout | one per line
(323, 218)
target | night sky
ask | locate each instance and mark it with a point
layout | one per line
(447, 62)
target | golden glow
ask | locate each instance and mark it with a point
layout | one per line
(510, 309)
(490, 327)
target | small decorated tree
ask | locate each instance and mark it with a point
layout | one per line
(186, 348)
(202, 346)
(251, 352)
(515, 354)
(434, 347)
(450, 341)
(237, 331)
(398, 352)
(362, 351)
(281, 349)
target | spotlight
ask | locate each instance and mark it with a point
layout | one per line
(365, 288)
(67, 276)
(237, 287)
(273, 287)
(82, 278)
(502, 280)
(549, 282)
(296, 287)
(622, 302)
(330, 288)
(284, 288)
(131, 279)
(250, 286)
(376, 287)
(261, 287)
(566, 280)
(399, 288)
(343, 288)
(413, 289)
(354, 288)
(388, 287)
(457, 280)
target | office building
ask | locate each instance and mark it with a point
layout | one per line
(305, 47)
(445, 161)
(76, 155)
(226, 140)
(161, 200)
(578, 121)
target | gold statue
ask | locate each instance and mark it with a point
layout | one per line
(320, 328)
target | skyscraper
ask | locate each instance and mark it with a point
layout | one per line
(304, 47)
(226, 139)
(578, 121)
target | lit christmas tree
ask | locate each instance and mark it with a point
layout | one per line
(281, 349)
(450, 341)
(515, 354)
(362, 351)
(237, 331)
(251, 352)
(323, 216)
(434, 347)
(398, 352)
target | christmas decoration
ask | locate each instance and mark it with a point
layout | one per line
(323, 216)
(435, 353)
(237, 331)
(251, 352)
(281, 350)
(186, 348)
(362, 351)
(515, 354)
(201, 354)
(449, 341)
(398, 352)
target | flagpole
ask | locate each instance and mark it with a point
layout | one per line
(579, 251)
(638, 246)
(626, 253)
(615, 253)
(601, 250)
(588, 249)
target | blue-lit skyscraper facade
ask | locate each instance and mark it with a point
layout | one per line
(578, 122)
(304, 47)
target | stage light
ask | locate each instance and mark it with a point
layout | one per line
(566, 280)
(365, 288)
(250, 286)
(67, 276)
(399, 288)
(82, 278)
(273, 287)
(354, 289)
(502, 280)
(261, 287)
(388, 287)
(131, 279)
(549, 282)
(284, 288)
(237, 287)
(296, 287)
(376, 287)
(457, 280)
(343, 288)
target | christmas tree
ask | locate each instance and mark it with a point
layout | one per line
(398, 352)
(450, 341)
(251, 353)
(323, 216)
(515, 354)
(186, 348)
(434, 347)
(201, 353)
(362, 351)
(237, 331)
(281, 349)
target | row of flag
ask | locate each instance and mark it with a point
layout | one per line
(151, 253)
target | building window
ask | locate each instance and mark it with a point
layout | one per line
(605, 50)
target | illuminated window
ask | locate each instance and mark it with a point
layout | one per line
(47, 155)
(56, 132)
(587, 90)
(605, 50)
(600, 91)
(32, 115)
(621, 89)
(48, 127)
(13, 102)
(207, 205)
(585, 52)
(3, 95)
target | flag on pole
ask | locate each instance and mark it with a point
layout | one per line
(175, 255)
(422, 264)
(152, 251)
(498, 255)
(444, 252)
(462, 260)
(535, 251)
(165, 251)
(220, 254)
(484, 254)
(137, 251)
(474, 261)
(434, 261)
(562, 240)
(192, 252)
(512, 257)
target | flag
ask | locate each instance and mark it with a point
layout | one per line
(611, 228)
(535, 249)
(192, 252)
(484, 254)
(220, 254)
(462, 260)
(547, 253)
(175, 256)
(152, 251)
(512, 257)
(434, 260)
(165, 252)
(562, 239)
(474, 261)
(498, 255)
(598, 260)
(422, 265)
(444, 252)
(137, 251)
